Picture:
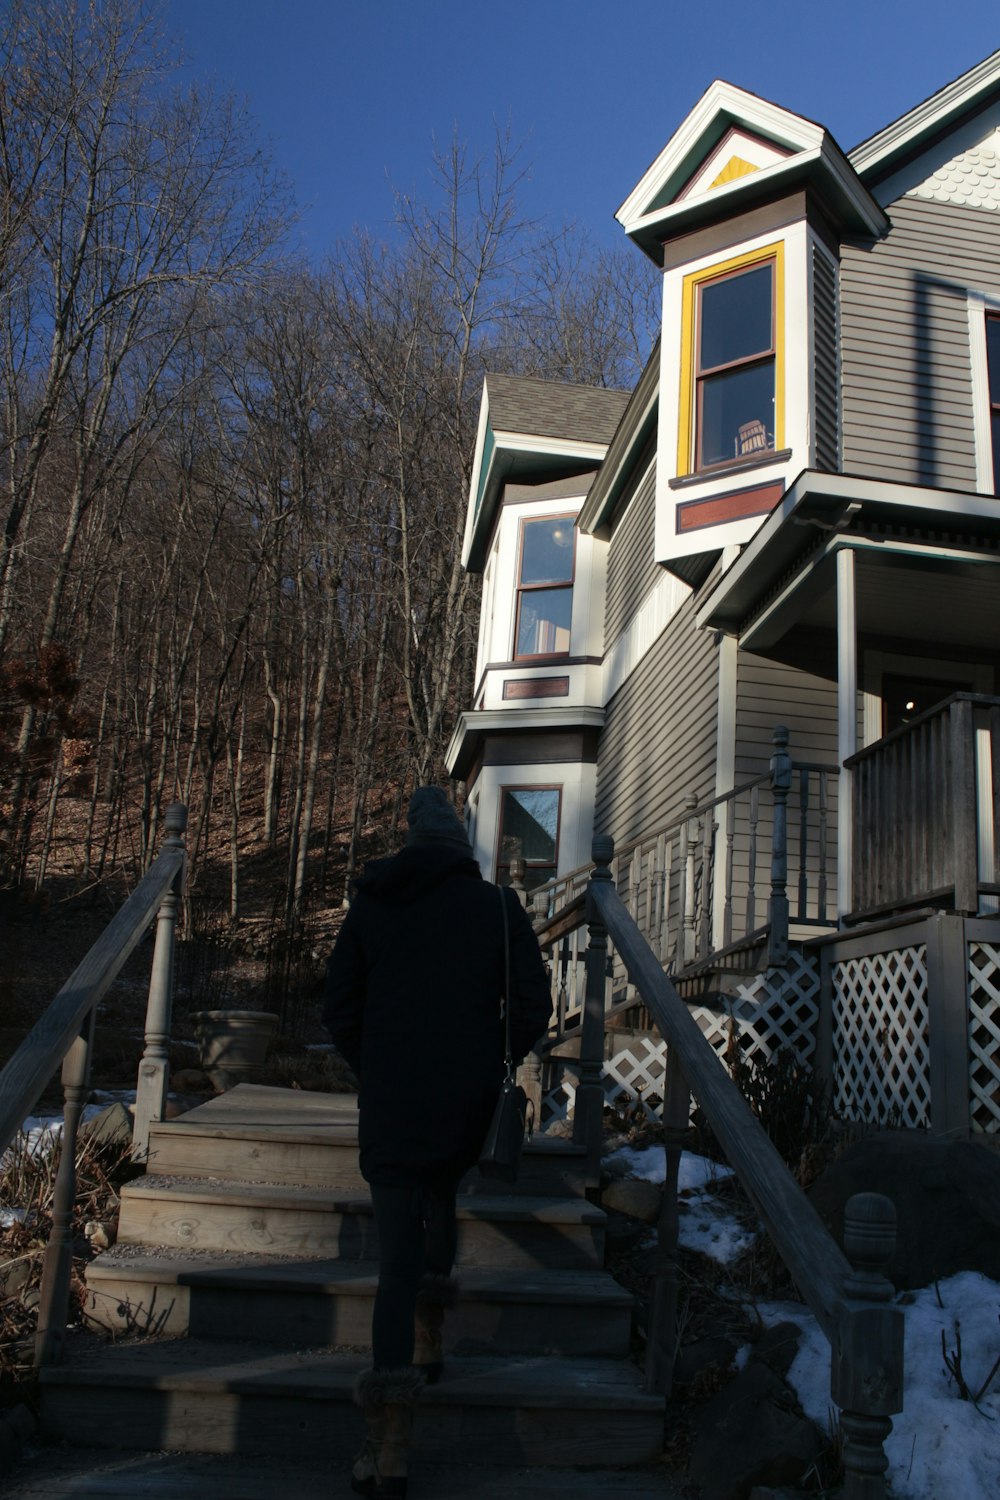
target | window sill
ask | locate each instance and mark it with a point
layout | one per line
(738, 466)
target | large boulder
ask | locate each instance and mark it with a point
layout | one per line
(947, 1197)
(751, 1433)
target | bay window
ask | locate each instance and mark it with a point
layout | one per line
(545, 587)
(731, 397)
(529, 830)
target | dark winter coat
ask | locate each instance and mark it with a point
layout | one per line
(413, 1003)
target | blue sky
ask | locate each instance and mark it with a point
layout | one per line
(351, 96)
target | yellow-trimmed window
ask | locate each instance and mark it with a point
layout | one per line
(732, 352)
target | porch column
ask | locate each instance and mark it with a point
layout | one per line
(847, 722)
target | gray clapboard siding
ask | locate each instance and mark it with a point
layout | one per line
(632, 570)
(658, 741)
(906, 374)
(659, 738)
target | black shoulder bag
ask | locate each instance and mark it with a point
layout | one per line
(501, 1153)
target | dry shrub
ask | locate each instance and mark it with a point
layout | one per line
(27, 1183)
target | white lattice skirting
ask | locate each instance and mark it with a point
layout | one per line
(984, 1037)
(881, 1043)
(768, 1011)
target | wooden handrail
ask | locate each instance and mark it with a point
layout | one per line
(26, 1075)
(817, 1265)
(852, 1307)
(65, 1034)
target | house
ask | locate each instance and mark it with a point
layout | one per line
(791, 524)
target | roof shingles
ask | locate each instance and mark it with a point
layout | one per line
(554, 409)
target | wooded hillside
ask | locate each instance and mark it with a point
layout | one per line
(233, 483)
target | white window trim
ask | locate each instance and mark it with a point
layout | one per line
(981, 303)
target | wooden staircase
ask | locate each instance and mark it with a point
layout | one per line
(241, 1291)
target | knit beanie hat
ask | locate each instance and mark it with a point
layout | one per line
(433, 820)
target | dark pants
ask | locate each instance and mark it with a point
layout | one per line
(416, 1234)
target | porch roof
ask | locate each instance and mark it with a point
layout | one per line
(928, 572)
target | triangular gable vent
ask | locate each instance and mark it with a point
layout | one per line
(737, 155)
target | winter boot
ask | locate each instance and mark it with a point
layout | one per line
(387, 1398)
(435, 1295)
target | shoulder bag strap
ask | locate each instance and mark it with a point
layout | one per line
(505, 1003)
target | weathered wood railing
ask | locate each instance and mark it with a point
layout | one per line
(927, 811)
(852, 1307)
(64, 1034)
(732, 873)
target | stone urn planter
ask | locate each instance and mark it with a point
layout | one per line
(233, 1044)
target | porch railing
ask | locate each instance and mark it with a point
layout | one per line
(926, 811)
(731, 874)
(65, 1034)
(852, 1307)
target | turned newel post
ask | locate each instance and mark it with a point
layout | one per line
(58, 1267)
(517, 871)
(588, 1117)
(777, 911)
(866, 1375)
(154, 1070)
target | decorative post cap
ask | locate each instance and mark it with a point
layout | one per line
(175, 819)
(602, 852)
(869, 1243)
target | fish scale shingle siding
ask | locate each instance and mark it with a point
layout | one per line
(906, 373)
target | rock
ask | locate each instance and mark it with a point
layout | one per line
(632, 1196)
(613, 1169)
(777, 1347)
(699, 1363)
(751, 1434)
(14, 1275)
(17, 1425)
(112, 1127)
(100, 1233)
(947, 1197)
(621, 1233)
(191, 1081)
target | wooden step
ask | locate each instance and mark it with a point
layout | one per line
(258, 1134)
(190, 1395)
(267, 1218)
(325, 1302)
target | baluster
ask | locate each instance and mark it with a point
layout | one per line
(707, 881)
(154, 1069)
(661, 1343)
(803, 844)
(823, 836)
(727, 915)
(57, 1271)
(529, 1076)
(752, 862)
(687, 902)
(661, 898)
(777, 913)
(588, 1119)
(866, 1374)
